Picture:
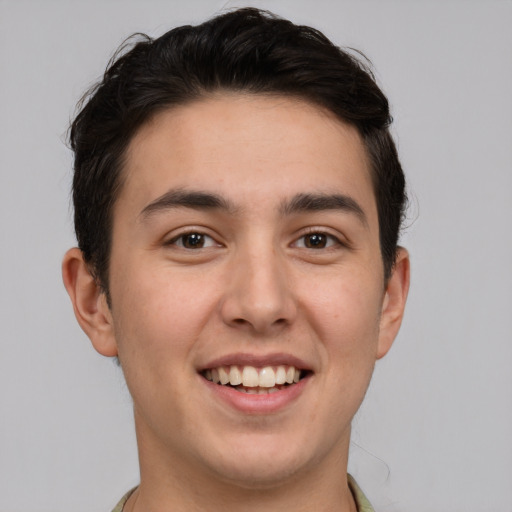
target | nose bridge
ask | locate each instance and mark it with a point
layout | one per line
(259, 294)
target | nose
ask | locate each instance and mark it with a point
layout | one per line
(259, 296)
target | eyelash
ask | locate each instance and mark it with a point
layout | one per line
(327, 238)
(330, 240)
(202, 236)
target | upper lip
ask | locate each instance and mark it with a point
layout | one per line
(257, 360)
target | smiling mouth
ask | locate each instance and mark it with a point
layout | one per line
(253, 380)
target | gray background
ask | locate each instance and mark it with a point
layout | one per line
(434, 433)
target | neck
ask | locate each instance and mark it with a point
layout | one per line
(172, 483)
(149, 497)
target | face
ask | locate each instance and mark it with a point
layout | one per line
(246, 249)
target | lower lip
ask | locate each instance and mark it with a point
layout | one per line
(258, 404)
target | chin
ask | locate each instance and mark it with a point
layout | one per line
(263, 463)
(258, 475)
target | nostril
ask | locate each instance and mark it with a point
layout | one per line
(242, 322)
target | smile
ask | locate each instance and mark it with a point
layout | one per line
(254, 380)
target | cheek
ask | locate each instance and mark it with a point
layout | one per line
(158, 317)
(345, 315)
(345, 311)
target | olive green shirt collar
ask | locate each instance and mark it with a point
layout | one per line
(362, 503)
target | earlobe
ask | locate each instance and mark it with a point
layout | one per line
(89, 303)
(393, 304)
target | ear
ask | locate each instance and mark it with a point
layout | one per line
(89, 303)
(393, 304)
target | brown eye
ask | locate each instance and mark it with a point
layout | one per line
(193, 240)
(315, 241)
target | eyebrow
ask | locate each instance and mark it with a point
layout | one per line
(198, 200)
(319, 202)
(180, 198)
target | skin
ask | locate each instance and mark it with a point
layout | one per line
(256, 287)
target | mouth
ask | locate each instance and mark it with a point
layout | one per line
(255, 380)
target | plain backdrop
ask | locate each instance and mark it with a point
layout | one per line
(435, 431)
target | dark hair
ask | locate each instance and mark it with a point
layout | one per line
(246, 50)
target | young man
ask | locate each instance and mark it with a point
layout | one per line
(238, 200)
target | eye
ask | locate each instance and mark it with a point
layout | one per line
(193, 240)
(316, 240)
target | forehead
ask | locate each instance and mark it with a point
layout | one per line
(252, 148)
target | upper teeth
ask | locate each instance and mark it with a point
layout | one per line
(249, 376)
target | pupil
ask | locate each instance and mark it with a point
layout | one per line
(316, 240)
(193, 240)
